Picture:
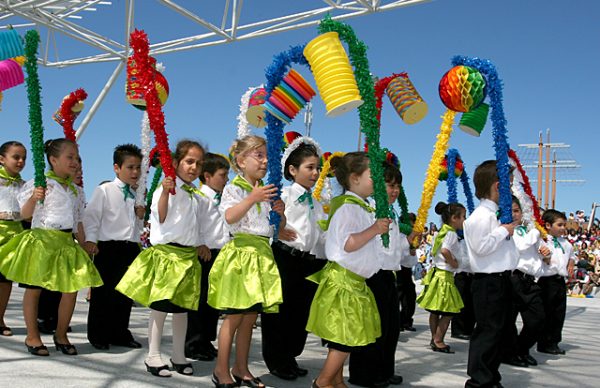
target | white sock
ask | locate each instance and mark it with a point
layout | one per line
(155, 331)
(179, 325)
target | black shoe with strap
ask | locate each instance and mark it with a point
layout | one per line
(38, 350)
(68, 349)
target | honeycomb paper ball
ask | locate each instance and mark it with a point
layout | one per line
(458, 168)
(462, 88)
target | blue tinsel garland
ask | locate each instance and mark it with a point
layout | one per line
(451, 180)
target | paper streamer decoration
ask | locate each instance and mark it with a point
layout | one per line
(333, 73)
(34, 91)
(453, 158)
(70, 107)
(145, 72)
(11, 73)
(11, 44)
(322, 160)
(289, 137)
(462, 88)
(155, 181)
(473, 122)
(243, 128)
(145, 138)
(289, 97)
(499, 132)
(521, 188)
(325, 172)
(367, 111)
(406, 100)
(446, 166)
(135, 91)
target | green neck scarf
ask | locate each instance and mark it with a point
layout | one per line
(439, 238)
(9, 179)
(191, 190)
(307, 196)
(521, 230)
(126, 189)
(337, 202)
(63, 181)
(243, 184)
(557, 244)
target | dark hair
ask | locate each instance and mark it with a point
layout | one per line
(516, 200)
(484, 177)
(448, 210)
(391, 173)
(182, 148)
(412, 217)
(55, 147)
(352, 163)
(213, 163)
(296, 158)
(125, 150)
(4, 147)
(550, 216)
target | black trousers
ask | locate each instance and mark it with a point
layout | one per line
(108, 315)
(554, 296)
(202, 324)
(407, 296)
(464, 322)
(284, 333)
(492, 307)
(376, 362)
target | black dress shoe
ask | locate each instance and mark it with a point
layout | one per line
(395, 380)
(409, 328)
(530, 360)
(381, 384)
(201, 355)
(100, 346)
(464, 337)
(133, 344)
(210, 349)
(559, 350)
(554, 350)
(377, 384)
(516, 361)
(284, 373)
(300, 372)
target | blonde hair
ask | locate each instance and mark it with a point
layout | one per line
(243, 145)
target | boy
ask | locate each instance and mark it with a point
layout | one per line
(492, 257)
(552, 282)
(113, 225)
(202, 324)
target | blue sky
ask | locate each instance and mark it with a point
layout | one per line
(546, 52)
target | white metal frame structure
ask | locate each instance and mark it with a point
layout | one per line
(66, 17)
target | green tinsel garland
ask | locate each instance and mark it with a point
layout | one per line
(367, 111)
(153, 186)
(34, 89)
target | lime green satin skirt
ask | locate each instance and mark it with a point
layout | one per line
(164, 272)
(245, 274)
(49, 259)
(9, 229)
(440, 293)
(343, 309)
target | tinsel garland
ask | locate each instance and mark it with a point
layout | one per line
(404, 223)
(323, 175)
(153, 186)
(501, 147)
(367, 111)
(464, 178)
(274, 130)
(146, 148)
(529, 206)
(433, 170)
(451, 180)
(34, 89)
(139, 43)
(67, 113)
(243, 128)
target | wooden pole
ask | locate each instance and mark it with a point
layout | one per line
(547, 180)
(554, 181)
(540, 170)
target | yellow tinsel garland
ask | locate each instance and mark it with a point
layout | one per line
(433, 170)
(325, 170)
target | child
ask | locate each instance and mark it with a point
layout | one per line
(375, 365)
(244, 279)
(166, 276)
(552, 283)
(440, 296)
(112, 231)
(492, 255)
(405, 284)
(202, 324)
(284, 334)
(463, 323)
(526, 292)
(47, 256)
(344, 312)
(12, 162)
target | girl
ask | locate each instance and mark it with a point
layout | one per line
(244, 279)
(344, 312)
(440, 296)
(284, 334)
(166, 276)
(12, 162)
(47, 256)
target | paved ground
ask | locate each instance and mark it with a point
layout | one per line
(420, 366)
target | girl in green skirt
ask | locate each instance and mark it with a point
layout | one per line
(440, 296)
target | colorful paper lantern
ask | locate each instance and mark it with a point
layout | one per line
(289, 97)
(11, 44)
(406, 100)
(255, 114)
(474, 121)
(462, 88)
(11, 74)
(135, 92)
(458, 168)
(334, 75)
